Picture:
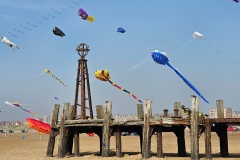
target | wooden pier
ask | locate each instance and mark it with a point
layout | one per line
(144, 124)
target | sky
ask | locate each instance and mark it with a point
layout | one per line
(210, 64)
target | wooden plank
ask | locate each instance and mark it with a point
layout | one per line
(52, 135)
(194, 129)
(208, 145)
(177, 105)
(106, 137)
(146, 146)
(118, 142)
(140, 111)
(159, 142)
(99, 111)
(220, 108)
(61, 143)
(84, 121)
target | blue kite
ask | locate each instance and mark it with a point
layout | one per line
(161, 58)
(121, 30)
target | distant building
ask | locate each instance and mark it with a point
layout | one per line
(47, 119)
(227, 113)
(236, 114)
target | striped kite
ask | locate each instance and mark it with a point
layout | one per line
(16, 104)
(49, 72)
(103, 75)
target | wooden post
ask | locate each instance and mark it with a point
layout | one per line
(146, 148)
(159, 142)
(61, 144)
(52, 135)
(194, 129)
(100, 112)
(140, 111)
(220, 108)
(176, 112)
(208, 146)
(76, 143)
(177, 105)
(70, 116)
(106, 137)
(165, 112)
(221, 130)
(179, 132)
(118, 142)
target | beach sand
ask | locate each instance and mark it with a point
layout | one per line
(34, 147)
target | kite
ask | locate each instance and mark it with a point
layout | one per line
(48, 72)
(9, 43)
(85, 16)
(188, 111)
(58, 32)
(161, 58)
(56, 98)
(38, 125)
(16, 104)
(197, 35)
(121, 30)
(236, 1)
(103, 75)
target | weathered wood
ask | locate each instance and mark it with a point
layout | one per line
(194, 129)
(69, 116)
(146, 147)
(140, 111)
(51, 139)
(223, 138)
(208, 145)
(165, 112)
(84, 121)
(159, 142)
(100, 112)
(220, 108)
(89, 91)
(76, 143)
(106, 136)
(177, 105)
(118, 142)
(62, 142)
(179, 132)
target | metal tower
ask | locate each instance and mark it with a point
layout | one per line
(82, 80)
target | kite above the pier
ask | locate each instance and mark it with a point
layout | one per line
(121, 30)
(38, 125)
(49, 72)
(161, 58)
(16, 104)
(197, 35)
(236, 1)
(85, 16)
(58, 32)
(9, 43)
(103, 75)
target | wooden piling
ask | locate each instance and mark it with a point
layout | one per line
(179, 132)
(177, 105)
(208, 145)
(220, 108)
(146, 147)
(159, 142)
(52, 135)
(106, 136)
(100, 112)
(194, 129)
(118, 142)
(140, 111)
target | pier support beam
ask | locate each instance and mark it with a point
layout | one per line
(208, 145)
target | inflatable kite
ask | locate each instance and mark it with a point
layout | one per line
(48, 72)
(85, 16)
(121, 30)
(58, 32)
(9, 43)
(236, 1)
(16, 104)
(103, 75)
(38, 125)
(161, 58)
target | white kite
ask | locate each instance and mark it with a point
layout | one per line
(197, 35)
(9, 43)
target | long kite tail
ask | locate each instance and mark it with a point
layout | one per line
(187, 82)
(114, 84)
(29, 112)
(58, 80)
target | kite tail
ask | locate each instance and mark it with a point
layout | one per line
(119, 87)
(187, 82)
(58, 80)
(29, 112)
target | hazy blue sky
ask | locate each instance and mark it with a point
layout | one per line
(157, 24)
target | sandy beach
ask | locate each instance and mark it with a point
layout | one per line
(33, 147)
